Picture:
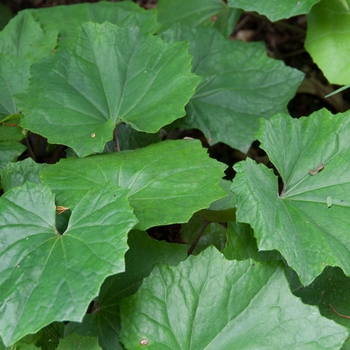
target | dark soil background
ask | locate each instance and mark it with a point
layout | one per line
(284, 41)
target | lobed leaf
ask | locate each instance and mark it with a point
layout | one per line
(50, 276)
(168, 181)
(299, 222)
(110, 75)
(143, 254)
(67, 19)
(240, 85)
(208, 302)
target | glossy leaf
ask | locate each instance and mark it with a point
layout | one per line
(168, 181)
(51, 276)
(67, 19)
(192, 13)
(328, 35)
(276, 9)
(111, 75)
(240, 85)
(208, 302)
(143, 254)
(311, 156)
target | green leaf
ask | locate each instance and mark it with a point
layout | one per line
(111, 75)
(16, 174)
(210, 234)
(168, 181)
(9, 152)
(24, 37)
(240, 85)
(311, 156)
(223, 209)
(144, 253)
(77, 342)
(192, 13)
(208, 302)
(67, 19)
(276, 9)
(47, 276)
(328, 40)
(241, 244)
(5, 16)
(14, 78)
(329, 292)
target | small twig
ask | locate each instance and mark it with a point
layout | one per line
(115, 140)
(199, 235)
(30, 151)
(337, 313)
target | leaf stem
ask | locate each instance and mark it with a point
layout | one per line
(337, 313)
(199, 235)
(115, 140)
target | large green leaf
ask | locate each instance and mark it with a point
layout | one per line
(309, 221)
(275, 9)
(168, 181)
(208, 302)
(240, 85)
(14, 75)
(24, 37)
(192, 13)
(66, 19)
(77, 342)
(110, 75)
(144, 253)
(328, 40)
(47, 276)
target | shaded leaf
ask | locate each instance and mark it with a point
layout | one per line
(110, 75)
(241, 244)
(328, 36)
(168, 181)
(46, 276)
(16, 174)
(311, 156)
(77, 342)
(144, 253)
(240, 85)
(68, 18)
(5, 16)
(9, 152)
(175, 308)
(276, 9)
(192, 13)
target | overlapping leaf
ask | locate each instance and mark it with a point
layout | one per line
(46, 275)
(144, 253)
(168, 181)
(275, 9)
(309, 221)
(9, 152)
(67, 19)
(111, 75)
(208, 302)
(240, 85)
(192, 13)
(328, 40)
